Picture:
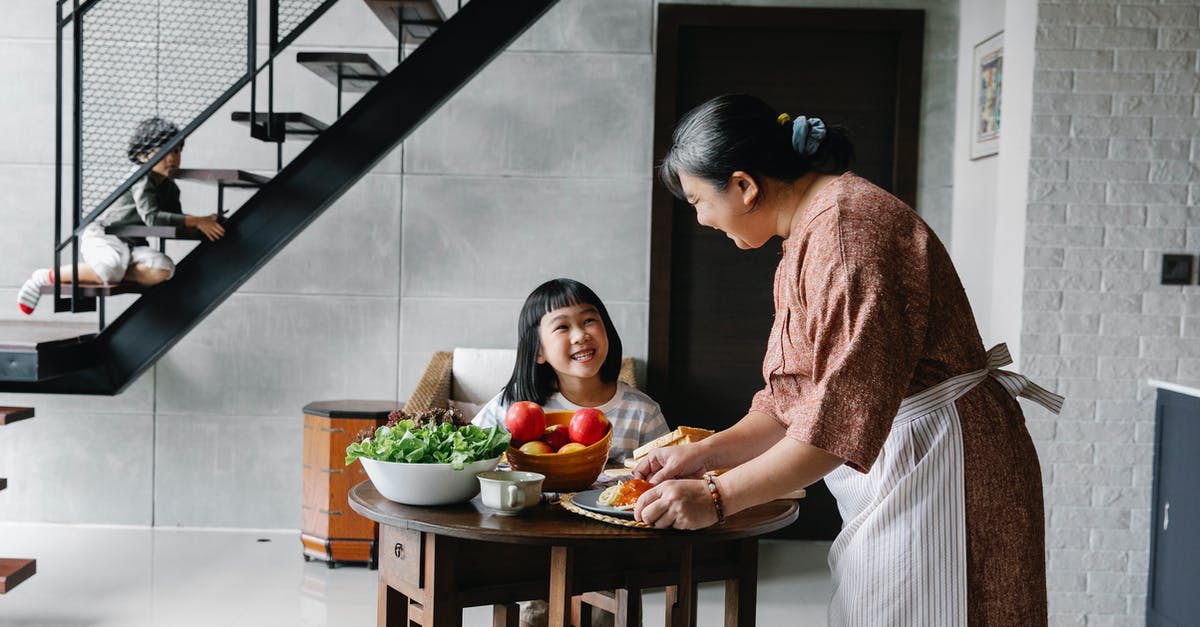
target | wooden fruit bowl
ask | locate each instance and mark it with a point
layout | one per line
(565, 472)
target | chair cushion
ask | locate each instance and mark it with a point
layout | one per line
(478, 374)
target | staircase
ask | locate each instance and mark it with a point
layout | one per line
(450, 52)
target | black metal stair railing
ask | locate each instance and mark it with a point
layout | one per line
(131, 60)
(285, 205)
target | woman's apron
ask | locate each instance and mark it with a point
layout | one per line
(901, 556)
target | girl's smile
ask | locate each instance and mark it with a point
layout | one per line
(584, 356)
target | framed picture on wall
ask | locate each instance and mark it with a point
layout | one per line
(989, 75)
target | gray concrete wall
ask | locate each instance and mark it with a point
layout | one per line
(571, 175)
(540, 167)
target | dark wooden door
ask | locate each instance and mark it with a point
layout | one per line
(711, 304)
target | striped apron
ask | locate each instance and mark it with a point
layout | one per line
(901, 556)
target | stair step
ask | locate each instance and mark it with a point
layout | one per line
(14, 571)
(228, 178)
(30, 333)
(358, 71)
(145, 230)
(9, 415)
(421, 17)
(31, 350)
(94, 291)
(294, 122)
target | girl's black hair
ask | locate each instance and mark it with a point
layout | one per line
(536, 382)
(150, 135)
(739, 132)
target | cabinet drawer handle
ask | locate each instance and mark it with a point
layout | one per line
(1166, 515)
(398, 550)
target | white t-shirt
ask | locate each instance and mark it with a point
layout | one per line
(636, 419)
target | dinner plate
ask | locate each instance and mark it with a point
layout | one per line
(588, 500)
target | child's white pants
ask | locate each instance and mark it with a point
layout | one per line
(110, 257)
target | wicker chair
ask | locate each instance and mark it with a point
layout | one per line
(438, 386)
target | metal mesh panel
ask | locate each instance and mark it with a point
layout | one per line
(292, 12)
(143, 59)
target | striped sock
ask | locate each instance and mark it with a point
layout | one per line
(27, 297)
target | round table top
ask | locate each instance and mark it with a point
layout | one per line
(551, 524)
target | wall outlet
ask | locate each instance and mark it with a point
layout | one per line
(1177, 269)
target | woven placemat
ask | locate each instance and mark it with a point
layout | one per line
(570, 506)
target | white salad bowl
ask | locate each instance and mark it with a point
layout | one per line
(426, 484)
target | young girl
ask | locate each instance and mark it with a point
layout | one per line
(568, 357)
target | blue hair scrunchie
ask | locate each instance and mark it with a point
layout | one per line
(807, 134)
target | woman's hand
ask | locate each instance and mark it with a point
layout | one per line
(672, 462)
(207, 225)
(682, 504)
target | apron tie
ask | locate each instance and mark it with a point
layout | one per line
(1019, 384)
(954, 388)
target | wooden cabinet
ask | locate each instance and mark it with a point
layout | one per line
(329, 529)
(1175, 530)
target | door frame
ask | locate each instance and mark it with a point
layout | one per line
(908, 24)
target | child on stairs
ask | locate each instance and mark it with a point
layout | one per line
(154, 200)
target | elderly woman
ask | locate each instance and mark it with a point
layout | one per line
(876, 380)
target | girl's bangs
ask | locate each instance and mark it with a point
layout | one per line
(565, 296)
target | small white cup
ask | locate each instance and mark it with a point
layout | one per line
(510, 491)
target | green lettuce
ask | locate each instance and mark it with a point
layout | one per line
(445, 443)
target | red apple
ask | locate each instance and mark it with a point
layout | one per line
(571, 447)
(556, 436)
(588, 426)
(536, 447)
(525, 420)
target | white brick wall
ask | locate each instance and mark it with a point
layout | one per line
(1112, 181)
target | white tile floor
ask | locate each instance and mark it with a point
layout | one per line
(92, 576)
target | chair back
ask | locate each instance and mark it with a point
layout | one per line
(478, 374)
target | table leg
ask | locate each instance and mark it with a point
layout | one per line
(581, 613)
(393, 607)
(562, 566)
(440, 610)
(741, 594)
(629, 607)
(506, 615)
(672, 595)
(683, 611)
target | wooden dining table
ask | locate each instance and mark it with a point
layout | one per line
(435, 561)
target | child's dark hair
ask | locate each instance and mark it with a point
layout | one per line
(150, 135)
(535, 382)
(739, 132)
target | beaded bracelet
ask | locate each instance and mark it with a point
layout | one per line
(710, 477)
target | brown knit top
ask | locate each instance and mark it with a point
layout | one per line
(868, 310)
